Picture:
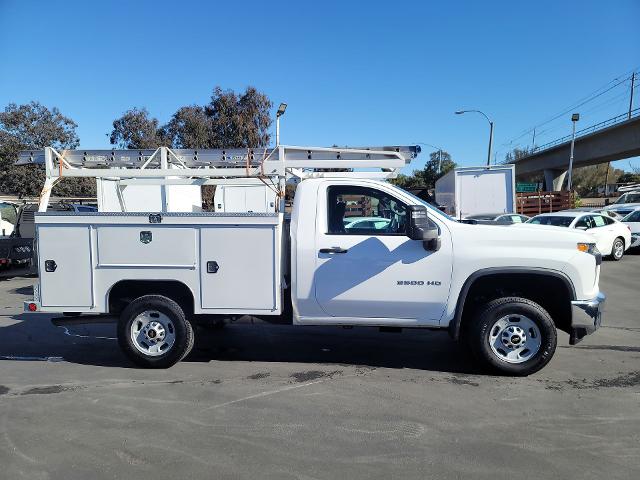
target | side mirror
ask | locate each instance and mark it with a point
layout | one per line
(418, 228)
(581, 228)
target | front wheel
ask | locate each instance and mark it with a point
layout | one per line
(513, 336)
(154, 332)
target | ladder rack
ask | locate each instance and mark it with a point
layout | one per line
(215, 166)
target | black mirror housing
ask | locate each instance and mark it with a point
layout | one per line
(418, 227)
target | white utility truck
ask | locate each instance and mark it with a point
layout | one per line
(356, 250)
(467, 191)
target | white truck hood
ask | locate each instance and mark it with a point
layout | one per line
(526, 234)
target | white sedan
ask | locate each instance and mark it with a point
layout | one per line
(633, 221)
(611, 236)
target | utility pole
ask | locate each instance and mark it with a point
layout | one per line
(574, 119)
(533, 142)
(633, 81)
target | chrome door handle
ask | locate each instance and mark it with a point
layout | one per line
(333, 250)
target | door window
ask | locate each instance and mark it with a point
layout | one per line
(585, 221)
(599, 221)
(354, 210)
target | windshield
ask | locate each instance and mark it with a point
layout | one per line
(629, 198)
(427, 204)
(632, 217)
(551, 220)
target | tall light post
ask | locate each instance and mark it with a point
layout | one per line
(439, 149)
(281, 109)
(460, 112)
(574, 119)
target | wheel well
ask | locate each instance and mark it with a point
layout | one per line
(125, 291)
(551, 292)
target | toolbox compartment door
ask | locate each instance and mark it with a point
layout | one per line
(64, 262)
(238, 267)
(146, 246)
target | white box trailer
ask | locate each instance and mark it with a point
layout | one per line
(469, 191)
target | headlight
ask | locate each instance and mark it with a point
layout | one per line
(589, 248)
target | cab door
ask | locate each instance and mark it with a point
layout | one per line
(366, 266)
(601, 232)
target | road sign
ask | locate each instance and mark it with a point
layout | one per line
(527, 187)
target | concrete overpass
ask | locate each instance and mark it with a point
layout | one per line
(614, 139)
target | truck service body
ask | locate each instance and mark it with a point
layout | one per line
(502, 289)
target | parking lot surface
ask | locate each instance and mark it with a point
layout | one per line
(284, 402)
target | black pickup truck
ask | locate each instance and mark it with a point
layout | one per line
(16, 246)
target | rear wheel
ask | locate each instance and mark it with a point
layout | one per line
(513, 336)
(617, 250)
(154, 332)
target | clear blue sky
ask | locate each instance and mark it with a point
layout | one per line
(353, 73)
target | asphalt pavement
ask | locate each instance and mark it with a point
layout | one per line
(283, 402)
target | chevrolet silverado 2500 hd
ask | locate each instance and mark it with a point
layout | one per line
(504, 290)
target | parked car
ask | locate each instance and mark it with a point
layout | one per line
(612, 237)
(503, 218)
(633, 221)
(626, 204)
(603, 211)
(359, 224)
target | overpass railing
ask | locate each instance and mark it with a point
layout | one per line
(591, 129)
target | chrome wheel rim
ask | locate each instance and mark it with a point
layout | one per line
(618, 248)
(515, 338)
(153, 333)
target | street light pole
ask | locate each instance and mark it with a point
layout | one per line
(574, 119)
(633, 81)
(281, 109)
(460, 112)
(490, 144)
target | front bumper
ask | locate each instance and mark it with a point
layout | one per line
(586, 317)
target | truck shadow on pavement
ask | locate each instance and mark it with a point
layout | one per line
(34, 337)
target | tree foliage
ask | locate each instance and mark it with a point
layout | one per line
(588, 180)
(189, 127)
(517, 154)
(229, 120)
(629, 177)
(29, 127)
(134, 129)
(435, 168)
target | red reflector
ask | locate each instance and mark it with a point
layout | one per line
(33, 307)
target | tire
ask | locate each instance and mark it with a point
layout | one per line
(513, 336)
(153, 332)
(617, 249)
